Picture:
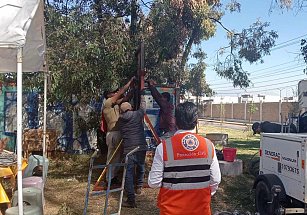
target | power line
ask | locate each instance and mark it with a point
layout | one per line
(263, 85)
(273, 79)
(285, 71)
(266, 69)
(291, 40)
(277, 65)
(278, 46)
(282, 45)
(277, 88)
(279, 70)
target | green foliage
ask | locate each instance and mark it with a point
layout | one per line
(255, 42)
(196, 83)
(232, 70)
(250, 45)
(252, 108)
(91, 45)
(89, 51)
(234, 6)
(172, 27)
(85, 56)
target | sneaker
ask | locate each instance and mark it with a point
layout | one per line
(138, 191)
(129, 204)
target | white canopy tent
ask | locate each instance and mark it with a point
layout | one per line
(22, 49)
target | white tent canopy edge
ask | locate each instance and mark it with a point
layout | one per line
(22, 25)
(22, 49)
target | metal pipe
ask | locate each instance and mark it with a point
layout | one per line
(19, 130)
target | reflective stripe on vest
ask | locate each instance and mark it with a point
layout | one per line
(190, 173)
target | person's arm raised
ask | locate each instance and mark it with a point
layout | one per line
(122, 91)
(155, 93)
(127, 98)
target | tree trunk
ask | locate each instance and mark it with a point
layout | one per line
(98, 10)
(134, 18)
(188, 48)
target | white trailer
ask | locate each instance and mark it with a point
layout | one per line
(281, 184)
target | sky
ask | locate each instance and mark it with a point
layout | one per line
(281, 71)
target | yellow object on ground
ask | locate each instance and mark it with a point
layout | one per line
(3, 196)
(24, 164)
(14, 169)
(5, 171)
(10, 172)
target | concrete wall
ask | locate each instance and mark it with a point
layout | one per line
(239, 111)
(270, 111)
(266, 111)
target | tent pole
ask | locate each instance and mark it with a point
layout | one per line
(44, 124)
(44, 134)
(19, 130)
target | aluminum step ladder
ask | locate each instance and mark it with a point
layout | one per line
(108, 190)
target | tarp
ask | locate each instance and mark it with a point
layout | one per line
(22, 25)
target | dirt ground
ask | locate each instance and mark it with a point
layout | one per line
(70, 200)
(66, 188)
(67, 196)
(67, 182)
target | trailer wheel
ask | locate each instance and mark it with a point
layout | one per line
(263, 199)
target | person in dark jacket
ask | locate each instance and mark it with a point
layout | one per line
(131, 125)
(270, 127)
(303, 123)
(167, 118)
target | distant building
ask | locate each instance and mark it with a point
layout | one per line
(240, 99)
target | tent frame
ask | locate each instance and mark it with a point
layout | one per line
(19, 128)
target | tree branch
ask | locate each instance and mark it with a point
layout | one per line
(219, 22)
(146, 4)
(188, 48)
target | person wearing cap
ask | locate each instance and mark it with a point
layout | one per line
(185, 168)
(270, 127)
(111, 115)
(167, 119)
(256, 128)
(131, 124)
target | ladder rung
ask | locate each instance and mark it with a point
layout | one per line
(95, 193)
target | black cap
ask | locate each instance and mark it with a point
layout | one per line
(255, 127)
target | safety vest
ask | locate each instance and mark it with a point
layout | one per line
(185, 187)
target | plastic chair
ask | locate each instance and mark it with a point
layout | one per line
(31, 195)
(27, 210)
(33, 181)
(34, 161)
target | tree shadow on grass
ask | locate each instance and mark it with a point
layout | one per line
(235, 193)
(244, 144)
(74, 166)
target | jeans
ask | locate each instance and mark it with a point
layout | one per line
(136, 159)
(113, 138)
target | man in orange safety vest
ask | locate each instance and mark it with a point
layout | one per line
(185, 167)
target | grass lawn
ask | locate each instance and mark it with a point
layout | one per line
(67, 179)
(235, 193)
